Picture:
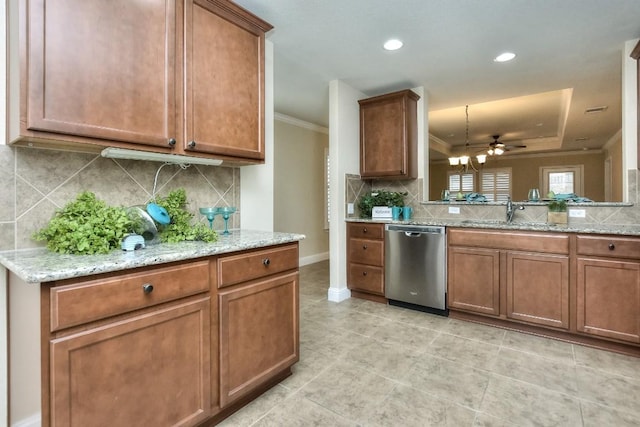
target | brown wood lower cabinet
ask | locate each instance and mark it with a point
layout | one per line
(608, 287)
(474, 280)
(258, 333)
(521, 276)
(179, 344)
(608, 298)
(152, 368)
(365, 259)
(538, 288)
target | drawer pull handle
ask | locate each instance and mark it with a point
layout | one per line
(611, 246)
(364, 246)
(266, 262)
(147, 288)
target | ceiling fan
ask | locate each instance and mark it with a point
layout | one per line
(497, 148)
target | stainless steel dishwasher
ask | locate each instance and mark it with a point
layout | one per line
(415, 267)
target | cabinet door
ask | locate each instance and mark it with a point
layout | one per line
(102, 69)
(538, 288)
(224, 79)
(608, 297)
(150, 370)
(258, 334)
(388, 136)
(473, 282)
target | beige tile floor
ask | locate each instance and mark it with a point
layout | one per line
(367, 364)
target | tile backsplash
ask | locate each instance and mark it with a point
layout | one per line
(36, 182)
(615, 213)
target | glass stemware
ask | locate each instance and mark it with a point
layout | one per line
(226, 213)
(210, 213)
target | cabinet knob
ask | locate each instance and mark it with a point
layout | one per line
(364, 273)
(364, 230)
(364, 246)
(266, 262)
(192, 144)
(147, 288)
(611, 246)
(171, 142)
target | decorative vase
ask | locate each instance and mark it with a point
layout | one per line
(557, 217)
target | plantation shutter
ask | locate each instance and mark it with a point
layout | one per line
(495, 184)
(461, 182)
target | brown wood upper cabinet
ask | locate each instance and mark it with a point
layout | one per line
(174, 76)
(389, 135)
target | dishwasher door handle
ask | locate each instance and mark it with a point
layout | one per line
(412, 234)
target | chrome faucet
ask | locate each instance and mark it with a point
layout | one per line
(511, 209)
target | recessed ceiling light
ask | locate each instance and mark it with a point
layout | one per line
(393, 44)
(504, 57)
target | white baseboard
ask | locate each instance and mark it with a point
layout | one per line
(338, 295)
(33, 421)
(312, 259)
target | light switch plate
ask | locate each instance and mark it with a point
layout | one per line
(454, 209)
(577, 213)
(350, 209)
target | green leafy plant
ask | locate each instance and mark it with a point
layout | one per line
(379, 198)
(557, 206)
(181, 227)
(86, 226)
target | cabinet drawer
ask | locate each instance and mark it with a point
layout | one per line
(518, 241)
(615, 247)
(366, 231)
(86, 301)
(365, 251)
(366, 278)
(246, 266)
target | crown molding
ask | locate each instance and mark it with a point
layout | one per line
(300, 123)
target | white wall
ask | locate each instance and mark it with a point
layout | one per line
(256, 182)
(299, 184)
(629, 114)
(3, 282)
(344, 152)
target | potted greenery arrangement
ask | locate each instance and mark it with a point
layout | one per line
(379, 198)
(557, 213)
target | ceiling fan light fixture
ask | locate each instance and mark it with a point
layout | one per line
(504, 57)
(393, 44)
(498, 151)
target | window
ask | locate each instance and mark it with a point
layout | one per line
(495, 184)
(562, 179)
(461, 182)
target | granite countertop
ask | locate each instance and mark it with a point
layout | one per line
(626, 230)
(41, 265)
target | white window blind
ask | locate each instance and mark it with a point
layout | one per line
(495, 184)
(461, 182)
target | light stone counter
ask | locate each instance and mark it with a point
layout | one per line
(42, 265)
(626, 230)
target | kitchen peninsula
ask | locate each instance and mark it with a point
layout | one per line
(199, 329)
(578, 282)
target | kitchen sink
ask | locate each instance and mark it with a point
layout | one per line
(483, 221)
